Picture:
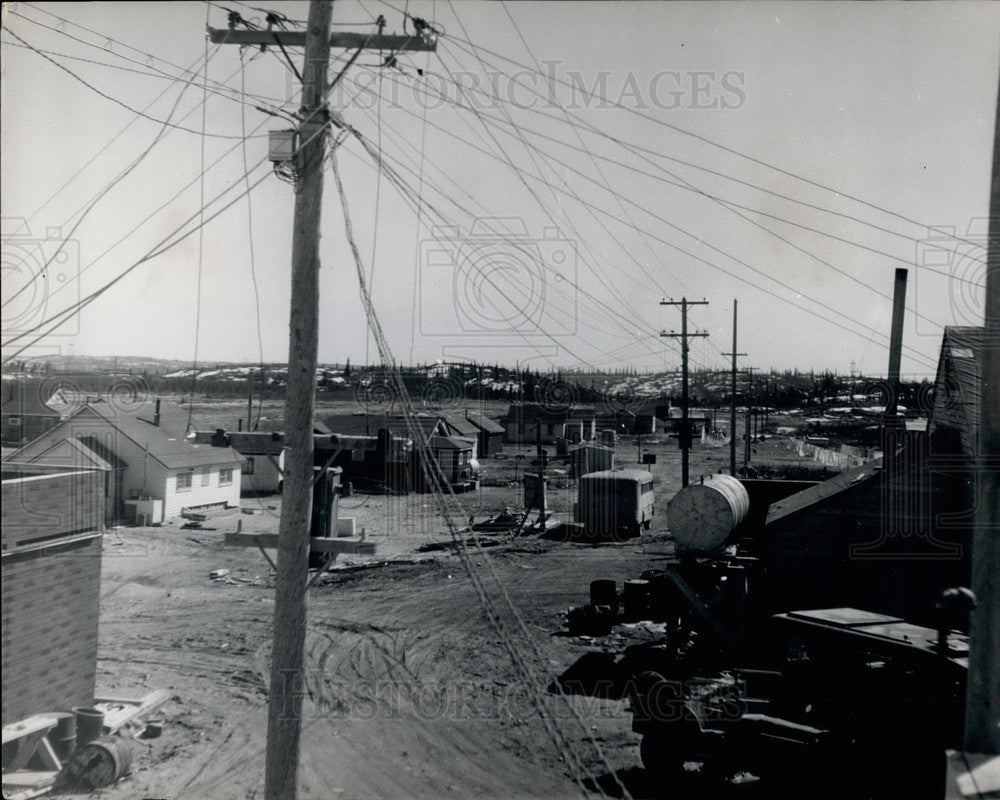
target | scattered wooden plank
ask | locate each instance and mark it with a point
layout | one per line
(27, 784)
(317, 544)
(117, 713)
(47, 755)
(28, 726)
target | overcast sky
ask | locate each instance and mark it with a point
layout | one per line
(549, 176)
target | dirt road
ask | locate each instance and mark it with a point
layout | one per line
(422, 680)
(411, 691)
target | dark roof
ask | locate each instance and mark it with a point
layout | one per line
(459, 425)
(589, 446)
(958, 385)
(450, 443)
(527, 412)
(256, 443)
(421, 428)
(618, 474)
(848, 479)
(165, 442)
(23, 401)
(102, 451)
(484, 423)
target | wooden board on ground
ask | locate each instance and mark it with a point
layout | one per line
(317, 544)
(26, 784)
(118, 712)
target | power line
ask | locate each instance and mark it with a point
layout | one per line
(112, 99)
(683, 251)
(704, 139)
(165, 244)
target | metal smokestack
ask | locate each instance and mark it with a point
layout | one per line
(896, 344)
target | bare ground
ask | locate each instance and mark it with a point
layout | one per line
(412, 692)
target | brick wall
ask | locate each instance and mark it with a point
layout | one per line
(57, 501)
(50, 591)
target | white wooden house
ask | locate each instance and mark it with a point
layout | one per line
(145, 454)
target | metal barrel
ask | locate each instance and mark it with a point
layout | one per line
(63, 736)
(604, 592)
(89, 724)
(703, 516)
(97, 764)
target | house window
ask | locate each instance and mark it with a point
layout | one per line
(184, 481)
(206, 476)
(247, 469)
(225, 476)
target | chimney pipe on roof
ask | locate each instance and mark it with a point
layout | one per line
(156, 413)
(896, 344)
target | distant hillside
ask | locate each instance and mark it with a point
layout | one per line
(449, 382)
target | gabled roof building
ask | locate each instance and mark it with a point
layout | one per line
(23, 414)
(145, 454)
(890, 535)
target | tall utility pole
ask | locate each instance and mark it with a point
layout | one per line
(732, 400)
(684, 434)
(746, 454)
(287, 686)
(982, 718)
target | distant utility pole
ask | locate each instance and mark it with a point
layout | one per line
(746, 455)
(732, 400)
(287, 686)
(684, 433)
(250, 402)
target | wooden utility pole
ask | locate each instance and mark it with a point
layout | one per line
(684, 433)
(732, 399)
(982, 719)
(287, 687)
(746, 453)
(284, 710)
(250, 402)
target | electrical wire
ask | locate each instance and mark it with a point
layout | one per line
(253, 260)
(105, 190)
(834, 320)
(174, 238)
(201, 232)
(111, 98)
(699, 137)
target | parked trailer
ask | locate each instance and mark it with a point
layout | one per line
(615, 502)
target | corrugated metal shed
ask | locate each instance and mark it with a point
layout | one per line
(807, 498)
(954, 420)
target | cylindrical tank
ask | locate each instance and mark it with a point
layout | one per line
(702, 516)
(89, 724)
